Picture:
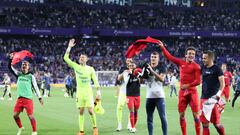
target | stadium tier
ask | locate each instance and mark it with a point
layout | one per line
(106, 32)
(159, 55)
(118, 17)
(108, 54)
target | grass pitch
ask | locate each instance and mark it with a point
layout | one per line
(59, 116)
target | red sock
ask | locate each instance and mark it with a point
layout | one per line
(183, 125)
(18, 122)
(206, 131)
(135, 117)
(34, 124)
(220, 130)
(132, 119)
(197, 126)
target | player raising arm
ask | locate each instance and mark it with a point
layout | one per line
(84, 97)
(189, 78)
(25, 82)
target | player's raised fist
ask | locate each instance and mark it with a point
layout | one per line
(160, 43)
(11, 55)
(71, 43)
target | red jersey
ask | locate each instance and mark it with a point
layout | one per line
(227, 78)
(190, 73)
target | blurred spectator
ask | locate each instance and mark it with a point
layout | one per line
(69, 16)
(108, 54)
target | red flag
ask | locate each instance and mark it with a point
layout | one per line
(138, 46)
(19, 56)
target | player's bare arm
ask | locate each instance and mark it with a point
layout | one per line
(233, 81)
(98, 93)
(222, 85)
(120, 77)
(71, 44)
(14, 70)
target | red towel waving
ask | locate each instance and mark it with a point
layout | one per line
(138, 46)
(19, 56)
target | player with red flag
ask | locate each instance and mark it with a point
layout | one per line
(25, 83)
(189, 78)
(130, 77)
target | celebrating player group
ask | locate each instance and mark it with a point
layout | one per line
(213, 86)
(206, 109)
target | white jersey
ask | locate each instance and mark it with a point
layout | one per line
(7, 80)
(168, 76)
(173, 80)
(123, 86)
(155, 87)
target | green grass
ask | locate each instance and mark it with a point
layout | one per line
(59, 116)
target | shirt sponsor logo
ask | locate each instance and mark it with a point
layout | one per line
(80, 73)
(207, 72)
(23, 79)
(134, 80)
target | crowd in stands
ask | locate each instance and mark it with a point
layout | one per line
(108, 54)
(114, 17)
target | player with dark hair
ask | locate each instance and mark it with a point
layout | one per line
(68, 84)
(121, 93)
(189, 78)
(74, 84)
(237, 88)
(155, 93)
(25, 83)
(132, 93)
(212, 87)
(47, 79)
